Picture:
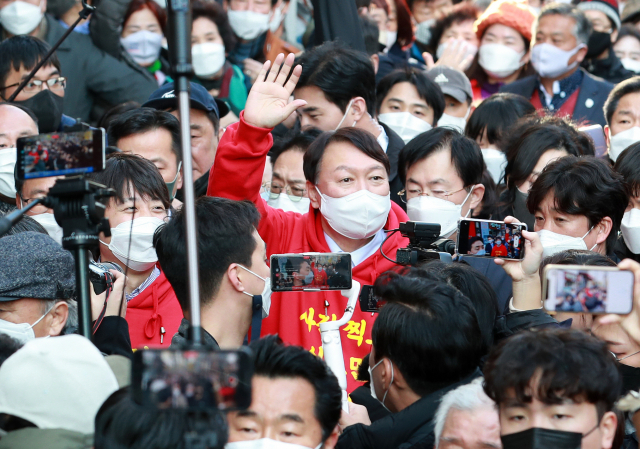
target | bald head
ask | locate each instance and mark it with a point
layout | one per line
(14, 123)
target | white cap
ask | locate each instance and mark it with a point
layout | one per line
(56, 383)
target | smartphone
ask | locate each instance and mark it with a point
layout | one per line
(580, 288)
(192, 379)
(597, 135)
(487, 238)
(369, 302)
(59, 154)
(310, 272)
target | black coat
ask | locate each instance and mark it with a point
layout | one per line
(609, 69)
(396, 144)
(589, 107)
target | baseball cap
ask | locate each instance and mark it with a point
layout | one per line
(452, 82)
(165, 98)
(33, 265)
(56, 383)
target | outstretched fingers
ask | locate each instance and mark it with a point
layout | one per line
(275, 69)
(263, 72)
(286, 69)
(293, 79)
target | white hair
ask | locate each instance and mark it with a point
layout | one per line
(467, 397)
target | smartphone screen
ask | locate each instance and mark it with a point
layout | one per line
(588, 289)
(59, 154)
(495, 239)
(192, 379)
(310, 272)
(369, 302)
(597, 135)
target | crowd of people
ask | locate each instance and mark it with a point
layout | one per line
(318, 128)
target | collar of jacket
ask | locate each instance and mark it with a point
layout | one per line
(207, 338)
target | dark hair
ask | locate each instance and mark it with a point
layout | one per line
(274, 360)
(299, 140)
(142, 120)
(340, 73)
(465, 154)
(572, 364)
(151, 5)
(215, 13)
(414, 328)
(130, 173)
(123, 424)
(23, 51)
(461, 12)
(497, 114)
(226, 238)
(371, 35)
(583, 186)
(475, 239)
(8, 346)
(361, 139)
(116, 111)
(475, 286)
(628, 86)
(628, 165)
(577, 257)
(25, 224)
(428, 90)
(628, 31)
(530, 138)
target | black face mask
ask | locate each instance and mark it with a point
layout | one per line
(598, 43)
(47, 107)
(537, 438)
(630, 378)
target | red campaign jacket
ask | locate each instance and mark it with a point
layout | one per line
(155, 307)
(295, 316)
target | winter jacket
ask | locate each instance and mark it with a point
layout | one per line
(295, 316)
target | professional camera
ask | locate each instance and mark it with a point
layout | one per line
(424, 244)
(101, 277)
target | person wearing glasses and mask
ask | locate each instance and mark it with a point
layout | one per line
(347, 180)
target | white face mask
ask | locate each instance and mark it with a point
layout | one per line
(423, 31)
(208, 58)
(8, 157)
(630, 228)
(358, 215)
(622, 140)
(551, 61)
(276, 18)
(553, 243)
(496, 161)
(49, 223)
(372, 387)
(248, 24)
(499, 61)
(135, 239)
(143, 46)
(345, 116)
(285, 202)
(631, 64)
(266, 443)
(429, 209)
(266, 292)
(405, 124)
(455, 123)
(470, 49)
(23, 332)
(20, 17)
(392, 37)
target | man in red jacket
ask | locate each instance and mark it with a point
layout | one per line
(140, 206)
(348, 183)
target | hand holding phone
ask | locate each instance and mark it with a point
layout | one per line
(631, 322)
(491, 239)
(310, 272)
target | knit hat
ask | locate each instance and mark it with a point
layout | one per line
(511, 13)
(631, 11)
(608, 7)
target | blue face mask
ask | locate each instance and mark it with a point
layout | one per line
(171, 186)
(481, 253)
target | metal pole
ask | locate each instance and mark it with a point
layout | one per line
(84, 296)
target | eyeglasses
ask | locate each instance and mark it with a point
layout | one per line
(41, 208)
(57, 83)
(276, 188)
(442, 194)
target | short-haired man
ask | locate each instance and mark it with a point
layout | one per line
(205, 114)
(153, 135)
(232, 268)
(140, 206)
(344, 97)
(296, 399)
(622, 113)
(578, 203)
(561, 87)
(554, 388)
(37, 283)
(348, 183)
(410, 367)
(628, 165)
(467, 419)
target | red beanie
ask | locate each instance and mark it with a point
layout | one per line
(513, 14)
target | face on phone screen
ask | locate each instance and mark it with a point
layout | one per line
(491, 239)
(299, 272)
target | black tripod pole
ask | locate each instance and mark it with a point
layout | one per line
(81, 254)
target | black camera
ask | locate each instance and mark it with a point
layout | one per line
(424, 244)
(101, 277)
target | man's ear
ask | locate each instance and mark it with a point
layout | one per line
(314, 196)
(331, 442)
(234, 275)
(614, 36)
(580, 55)
(608, 427)
(180, 178)
(607, 135)
(375, 60)
(59, 315)
(603, 229)
(476, 196)
(358, 111)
